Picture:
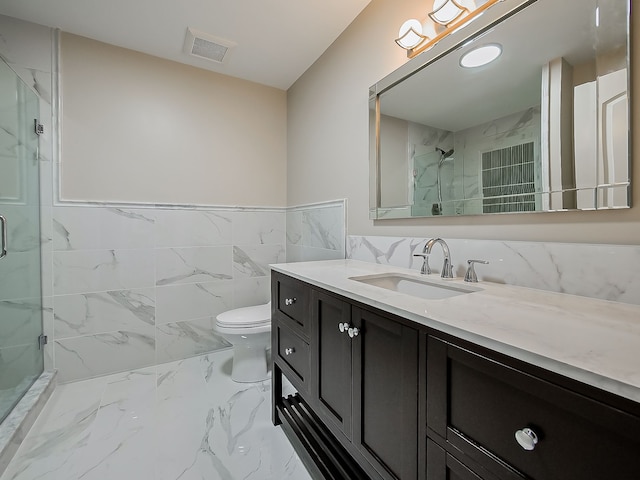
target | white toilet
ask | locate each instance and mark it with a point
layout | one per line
(248, 329)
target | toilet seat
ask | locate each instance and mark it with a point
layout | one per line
(246, 317)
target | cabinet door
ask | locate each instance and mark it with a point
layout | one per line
(385, 382)
(331, 355)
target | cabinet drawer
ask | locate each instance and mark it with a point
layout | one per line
(443, 466)
(294, 351)
(479, 404)
(291, 299)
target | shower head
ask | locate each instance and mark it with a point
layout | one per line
(444, 154)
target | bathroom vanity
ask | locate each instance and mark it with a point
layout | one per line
(452, 381)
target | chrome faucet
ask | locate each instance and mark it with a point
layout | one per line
(447, 266)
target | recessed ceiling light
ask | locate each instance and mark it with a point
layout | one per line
(481, 56)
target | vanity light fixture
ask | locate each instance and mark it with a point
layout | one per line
(446, 11)
(447, 15)
(481, 55)
(410, 34)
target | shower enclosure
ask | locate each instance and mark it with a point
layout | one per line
(21, 355)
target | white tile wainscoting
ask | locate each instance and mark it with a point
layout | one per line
(608, 272)
(316, 232)
(134, 287)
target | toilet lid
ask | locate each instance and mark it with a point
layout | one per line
(246, 316)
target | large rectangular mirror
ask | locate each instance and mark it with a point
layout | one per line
(544, 127)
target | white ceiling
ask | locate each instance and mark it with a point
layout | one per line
(277, 40)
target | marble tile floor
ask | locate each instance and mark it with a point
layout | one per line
(182, 420)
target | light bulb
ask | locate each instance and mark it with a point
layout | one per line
(410, 34)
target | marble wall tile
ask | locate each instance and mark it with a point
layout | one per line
(179, 340)
(254, 260)
(294, 228)
(607, 272)
(26, 47)
(20, 321)
(82, 228)
(100, 312)
(22, 227)
(259, 228)
(251, 291)
(93, 355)
(187, 265)
(19, 269)
(316, 232)
(46, 250)
(295, 253)
(192, 265)
(323, 228)
(117, 270)
(176, 303)
(192, 228)
(101, 270)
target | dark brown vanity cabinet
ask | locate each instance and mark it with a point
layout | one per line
(362, 389)
(381, 397)
(515, 424)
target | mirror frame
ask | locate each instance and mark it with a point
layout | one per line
(495, 15)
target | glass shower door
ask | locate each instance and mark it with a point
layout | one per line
(21, 359)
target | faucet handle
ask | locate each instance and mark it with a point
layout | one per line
(426, 269)
(471, 276)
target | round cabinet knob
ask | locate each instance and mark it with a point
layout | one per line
(353, 332)
(289, 301)
(289, 351)
(527, 438)
(343, 327)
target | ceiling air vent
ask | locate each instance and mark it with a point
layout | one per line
(205, 46)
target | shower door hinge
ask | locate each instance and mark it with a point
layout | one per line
(38, 127)
(42, 341)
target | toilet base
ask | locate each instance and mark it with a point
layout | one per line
(249, 364)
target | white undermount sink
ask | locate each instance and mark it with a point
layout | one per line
(416, 287)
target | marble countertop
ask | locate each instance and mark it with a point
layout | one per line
(594, 341)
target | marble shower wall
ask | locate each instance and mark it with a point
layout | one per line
(139, 286)
(608, 272)
(316, 232)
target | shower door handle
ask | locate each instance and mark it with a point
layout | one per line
(3, 226)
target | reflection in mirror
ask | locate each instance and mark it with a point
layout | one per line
(543, 127)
